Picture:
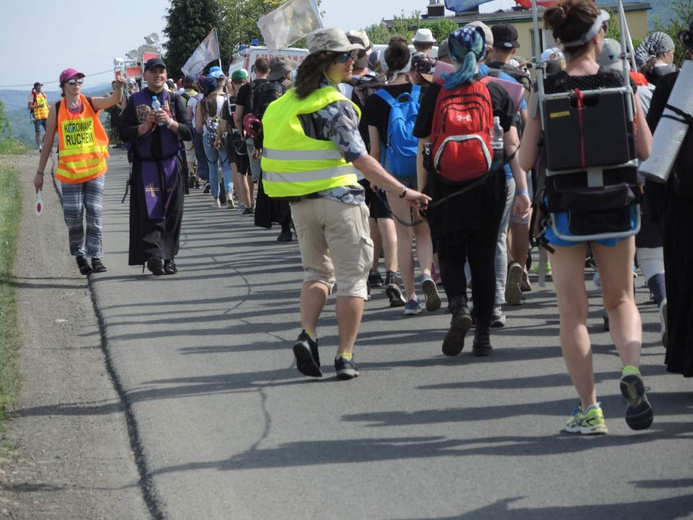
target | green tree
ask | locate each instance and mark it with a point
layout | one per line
(683, 13)
(406, 26)
(5, 128)
(187, 24)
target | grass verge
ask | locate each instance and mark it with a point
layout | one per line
(10, 216)
(12, 147)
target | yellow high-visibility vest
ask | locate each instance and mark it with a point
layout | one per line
(82, 144)
(40, 106)
(294, 164)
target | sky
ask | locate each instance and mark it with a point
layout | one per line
(37, 42)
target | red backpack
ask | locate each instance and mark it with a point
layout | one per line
(461, 133)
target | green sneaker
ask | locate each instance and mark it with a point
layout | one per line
(639, 414)
(590, 422)
(548, 268)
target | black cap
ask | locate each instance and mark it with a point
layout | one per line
(37, 84)
(505, 36)
(154, 62)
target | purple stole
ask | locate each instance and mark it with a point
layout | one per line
(159, 174)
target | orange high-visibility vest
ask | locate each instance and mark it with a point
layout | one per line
(40, 106)
(82, 144)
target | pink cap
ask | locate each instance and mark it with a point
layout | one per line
(68, 74)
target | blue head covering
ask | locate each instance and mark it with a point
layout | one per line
(211, 85)
(467, 46)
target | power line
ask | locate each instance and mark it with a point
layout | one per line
(57, 82)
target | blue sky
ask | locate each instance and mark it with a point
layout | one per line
(38, 41)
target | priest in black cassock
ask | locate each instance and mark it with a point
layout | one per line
(153, 121)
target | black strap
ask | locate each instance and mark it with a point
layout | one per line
(685, 117)
(475, 182)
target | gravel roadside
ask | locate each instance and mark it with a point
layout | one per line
(70, 453)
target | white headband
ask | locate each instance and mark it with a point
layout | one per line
(593, 31)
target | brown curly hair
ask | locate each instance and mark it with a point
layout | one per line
(312, 72)
(570, 21)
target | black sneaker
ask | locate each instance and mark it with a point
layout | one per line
(459, 325)
(482, 346)
(97, 265)
(208, 188)
(345, 368)
(393, 291)
(639, 414)
(170, 267)
(83, 264)
(155, 266)
(248, 211)
(307, 356)
(374, 279)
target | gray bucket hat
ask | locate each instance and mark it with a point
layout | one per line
(279, 66)
(331, 39)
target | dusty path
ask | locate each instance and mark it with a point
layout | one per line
(72, 456)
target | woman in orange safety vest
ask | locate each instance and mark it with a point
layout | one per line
(82, 153)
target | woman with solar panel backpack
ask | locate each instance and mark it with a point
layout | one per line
(578, 25)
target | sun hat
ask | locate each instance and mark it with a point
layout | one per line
(610, 57)
(279, 66)
(331, 39)
(488, 34)
(423, 36)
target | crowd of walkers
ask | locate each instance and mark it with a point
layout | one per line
(430, 166)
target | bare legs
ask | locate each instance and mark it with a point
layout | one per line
(615, 268)
(349, 310)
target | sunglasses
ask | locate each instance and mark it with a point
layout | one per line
(345, 56)
(73, 82)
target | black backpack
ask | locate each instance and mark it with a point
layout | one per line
(262, 94)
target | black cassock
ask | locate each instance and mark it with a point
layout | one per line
(673, 205)
(156, 186)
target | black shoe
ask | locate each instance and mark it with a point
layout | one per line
(482, 346)
(97, 265)
(208, 188)
(345, 368)
(83, 265)
(459, 325)
(191, 182)
(248, 211)
(284, 236)
(307, 356)
(170, 267)
(155, 266)
(374, 279)
(393, 290)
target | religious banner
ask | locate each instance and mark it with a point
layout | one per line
(289, 23)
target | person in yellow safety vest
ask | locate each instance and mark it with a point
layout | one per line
(38, 106)
(311, 155)
(82, 153)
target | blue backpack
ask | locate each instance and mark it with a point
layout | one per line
(401, 145)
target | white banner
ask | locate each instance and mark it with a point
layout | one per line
(289, 23)
(206, 52)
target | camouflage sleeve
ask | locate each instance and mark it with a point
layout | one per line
(340, 124)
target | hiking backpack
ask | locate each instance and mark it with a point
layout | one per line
(401, 147)
(262, 94)
(461, 133)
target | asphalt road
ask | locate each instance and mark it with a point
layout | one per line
(227, 428)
